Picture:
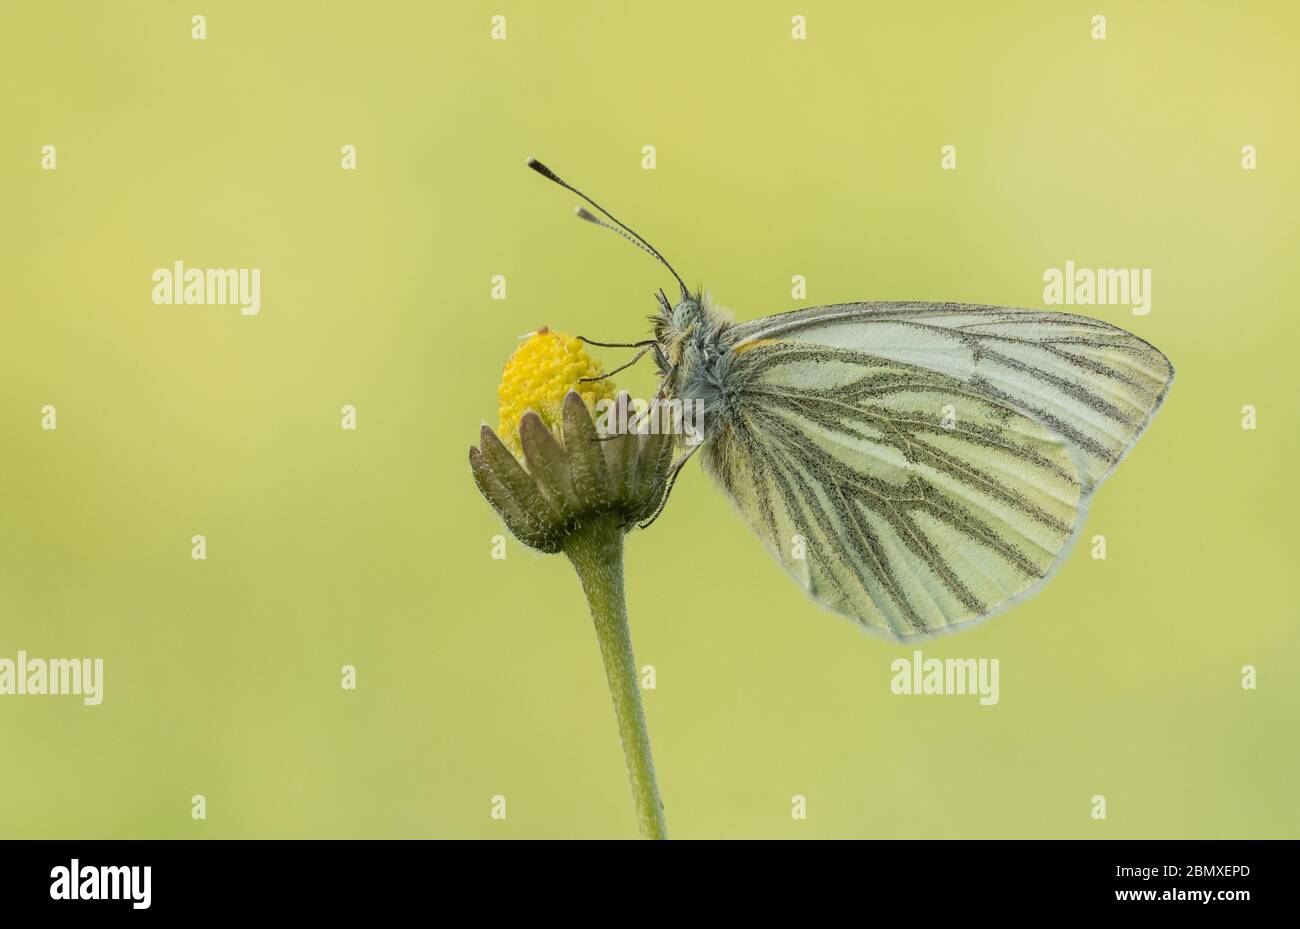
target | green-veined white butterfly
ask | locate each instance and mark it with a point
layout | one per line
(915, 466)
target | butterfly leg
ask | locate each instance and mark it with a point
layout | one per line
(641, 344)
(672, 479)
(635, 358)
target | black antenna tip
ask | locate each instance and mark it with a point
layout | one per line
(542, 169)
(582, 213)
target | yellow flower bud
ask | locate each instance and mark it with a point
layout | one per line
(538, 375)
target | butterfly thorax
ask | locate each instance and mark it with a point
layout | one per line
(693, 352)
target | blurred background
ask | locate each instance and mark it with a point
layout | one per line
(479, 677)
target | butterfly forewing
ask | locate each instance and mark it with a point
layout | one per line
(1092, 383)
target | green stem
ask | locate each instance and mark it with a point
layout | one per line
(597, 555)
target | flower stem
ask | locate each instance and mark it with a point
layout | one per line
(596, 552)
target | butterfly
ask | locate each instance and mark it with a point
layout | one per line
(916, 467)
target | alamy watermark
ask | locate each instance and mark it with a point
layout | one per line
(88, 882)
(1101, 286)
(240, 287)
(659, 416)
(946, 676)
(25, 676)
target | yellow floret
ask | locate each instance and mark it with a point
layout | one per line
(539, 374)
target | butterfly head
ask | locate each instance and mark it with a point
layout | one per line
(683, 314)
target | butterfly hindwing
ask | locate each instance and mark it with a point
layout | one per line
(896, 495)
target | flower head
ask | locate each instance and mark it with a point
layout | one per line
(539, 375)
(570, 475)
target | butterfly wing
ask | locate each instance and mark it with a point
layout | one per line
(1092, 383)
(916, 485)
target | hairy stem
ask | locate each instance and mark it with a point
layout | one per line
(596, 552)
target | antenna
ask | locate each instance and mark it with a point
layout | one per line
(582, 213)
(621, 228)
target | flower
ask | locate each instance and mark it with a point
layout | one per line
(574, 475)
(539, 375)
(572, 481)
(580, 492)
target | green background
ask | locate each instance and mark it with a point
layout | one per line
(479, 677)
